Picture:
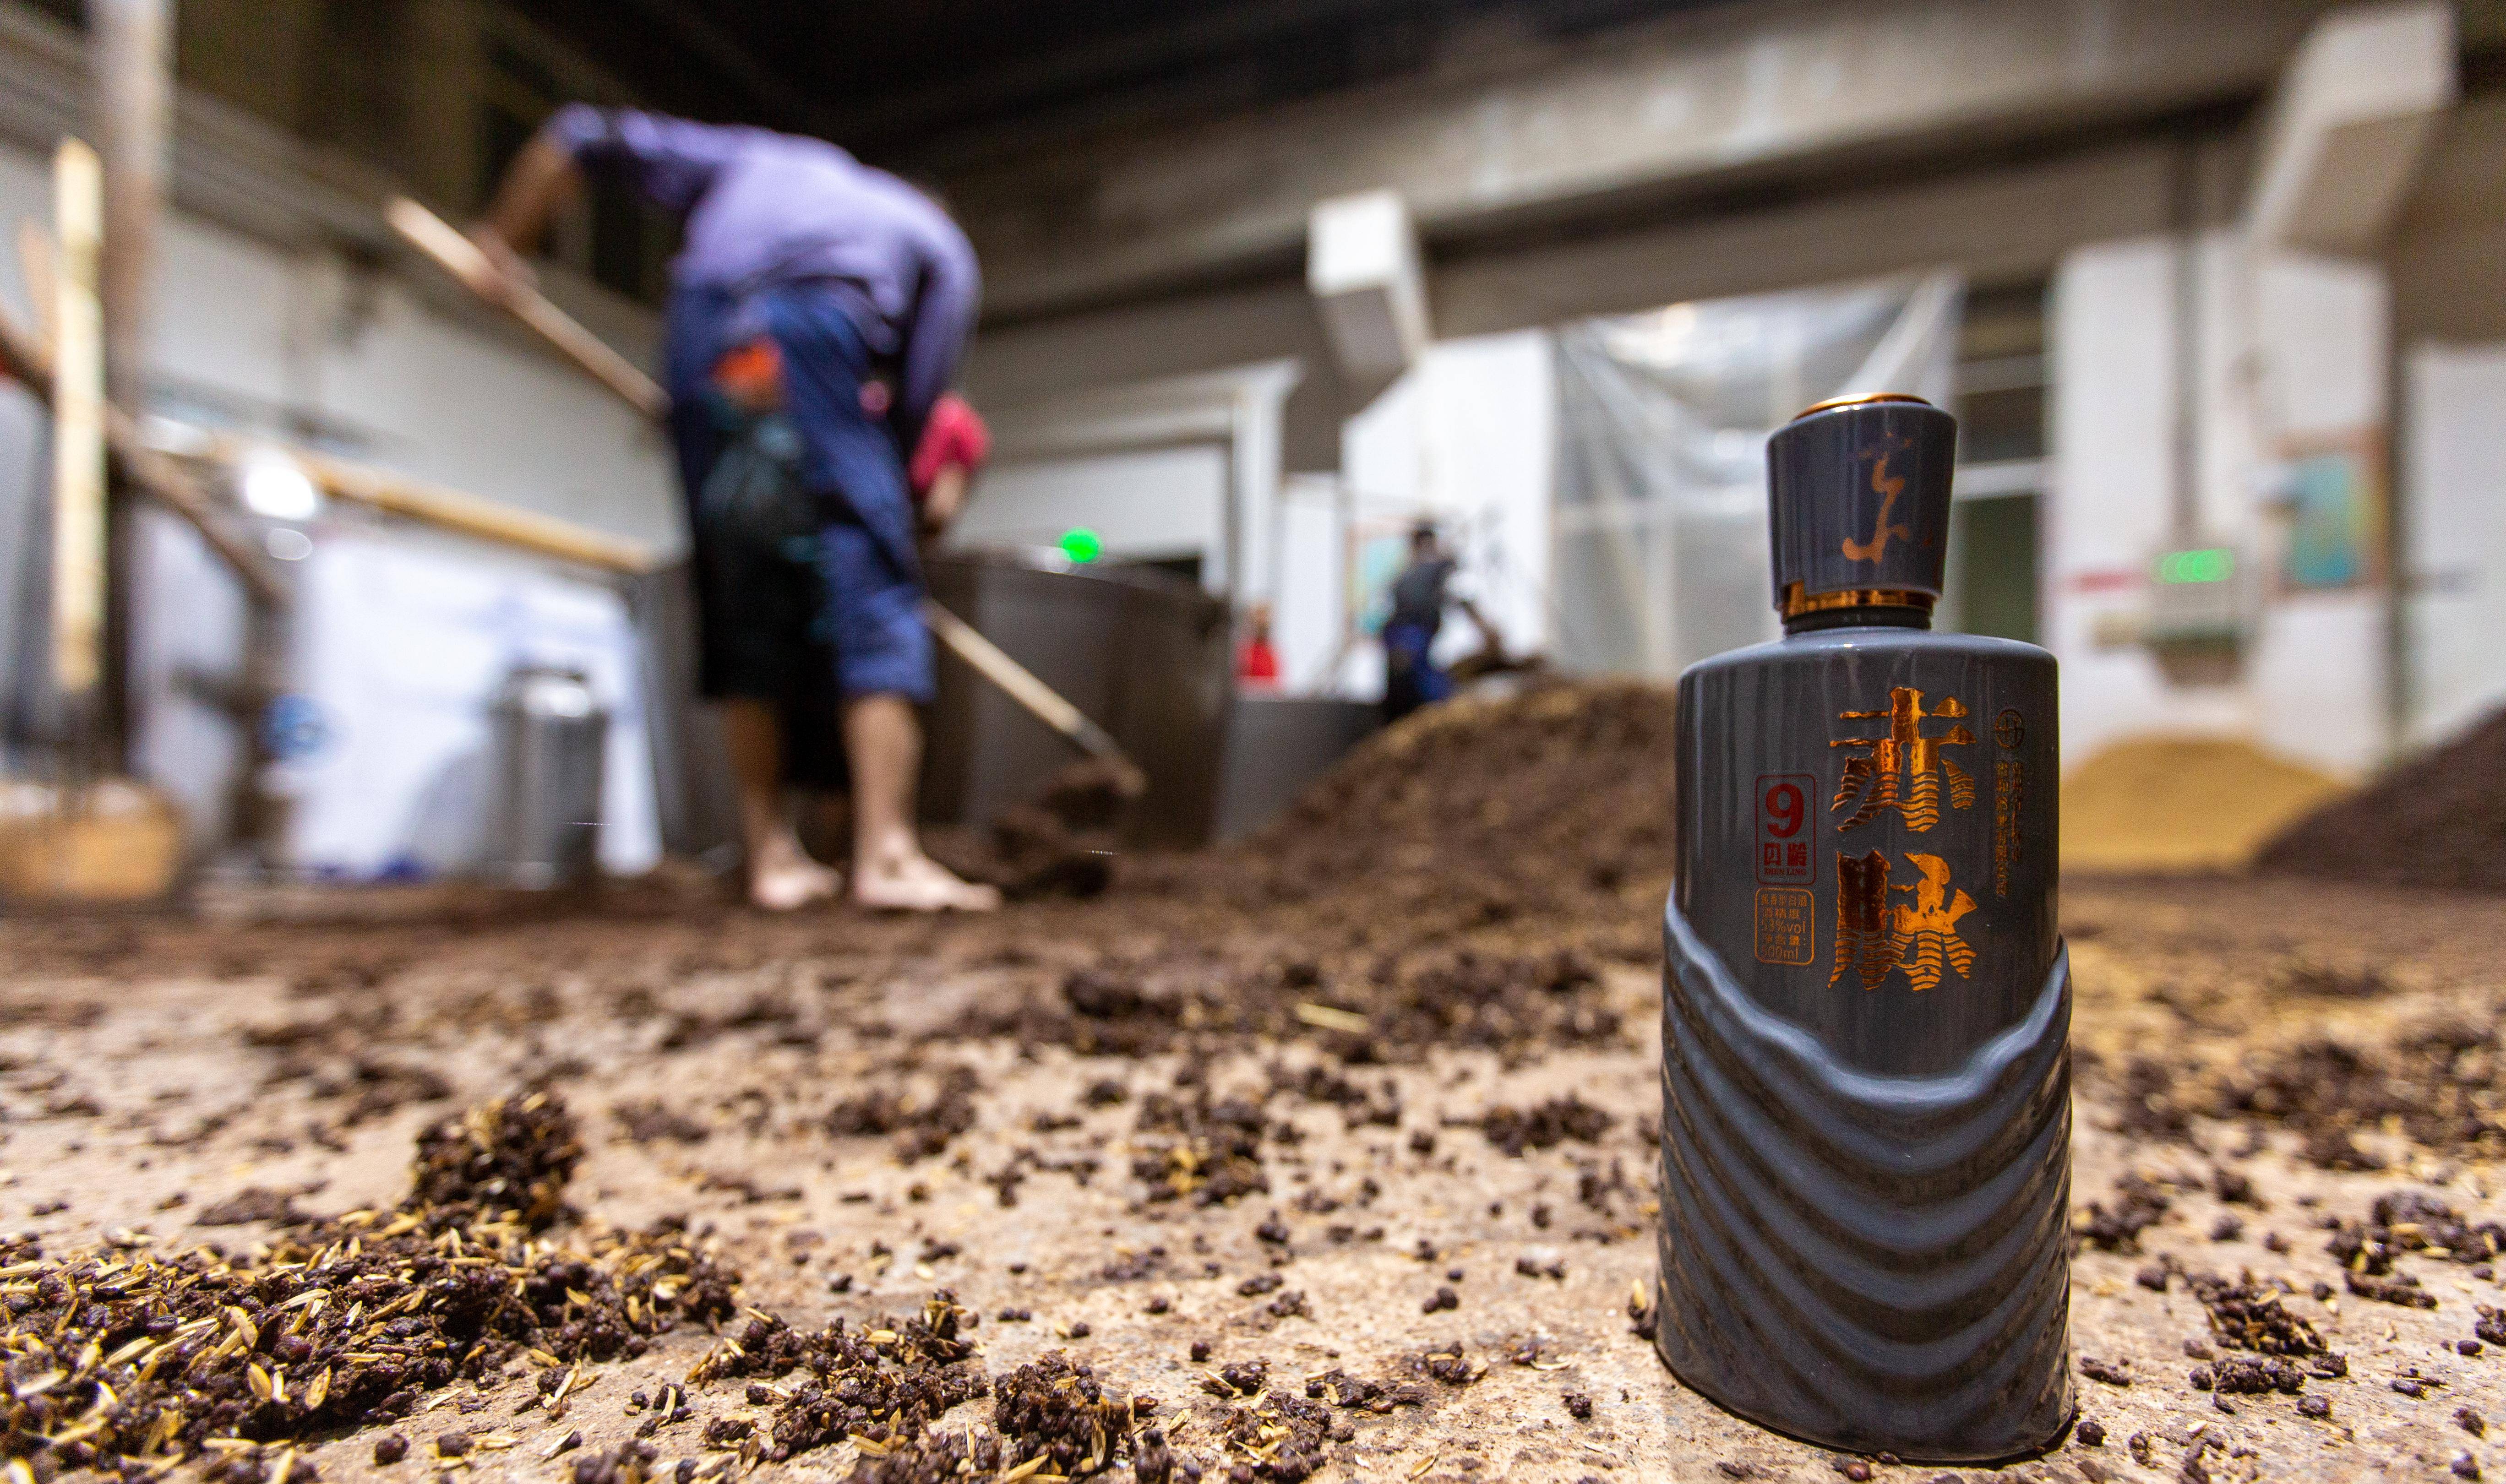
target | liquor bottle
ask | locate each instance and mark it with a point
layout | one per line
(1866, 1009)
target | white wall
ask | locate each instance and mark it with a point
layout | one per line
(2321, 336)
(2290, 354)
(2454, 533)
(1151, 502)
(2113, 427)
(23, 554)
(1310, 612)
(1139, 458)
(191, 743)
(260, 337)
(248, 336)
(1469, 436)
(403, 644)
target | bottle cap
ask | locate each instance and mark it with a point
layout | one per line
(1859, 504)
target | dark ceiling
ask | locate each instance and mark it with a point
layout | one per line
(933, 79)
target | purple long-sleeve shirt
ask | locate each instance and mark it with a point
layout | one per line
(764, 209)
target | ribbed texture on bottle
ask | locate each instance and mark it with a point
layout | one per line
(1873, 1263)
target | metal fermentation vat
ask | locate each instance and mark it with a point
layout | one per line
(1144, 653)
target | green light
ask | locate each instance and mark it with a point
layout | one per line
(2212, 565)
(1082, 545)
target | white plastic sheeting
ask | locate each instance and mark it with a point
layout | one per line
(1663, 419)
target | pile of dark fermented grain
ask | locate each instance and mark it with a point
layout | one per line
(124, 1363)
(1537, 805)
(1546, 802)
(1480, 810)
(1461, 878)
(2437, 819)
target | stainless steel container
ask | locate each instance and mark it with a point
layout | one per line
(550, 734)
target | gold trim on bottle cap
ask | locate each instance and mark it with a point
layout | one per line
(1833, 403)
(1798, 602)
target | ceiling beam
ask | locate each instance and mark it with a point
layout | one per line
(1730, 98)
(785, 105)
(1188, 34)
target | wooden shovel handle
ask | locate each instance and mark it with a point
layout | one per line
(461, 258)
(1042, 701)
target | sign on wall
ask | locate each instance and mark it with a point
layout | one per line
(2332, 498)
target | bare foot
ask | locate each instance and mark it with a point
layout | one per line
(917, 883)
(784, 884)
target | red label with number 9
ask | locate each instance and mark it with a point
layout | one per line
(1787, 834)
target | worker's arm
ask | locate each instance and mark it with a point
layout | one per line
(543, 178)
(670, 161)
(955, 444)
(943, 317)
(945, 498)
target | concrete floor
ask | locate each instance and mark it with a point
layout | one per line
(155, 1069)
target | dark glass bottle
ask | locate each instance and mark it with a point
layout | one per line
(1866, 1009)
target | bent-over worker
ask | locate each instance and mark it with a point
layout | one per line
(849, 274)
